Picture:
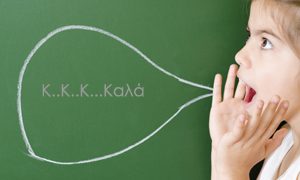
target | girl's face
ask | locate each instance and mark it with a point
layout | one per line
(267, 63)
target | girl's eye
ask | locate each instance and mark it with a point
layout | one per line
(266, 44)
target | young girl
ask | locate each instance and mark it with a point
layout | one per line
(241, 126)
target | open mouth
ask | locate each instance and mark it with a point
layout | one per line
(250, 93)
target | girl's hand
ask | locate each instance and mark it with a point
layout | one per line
(249, 141)
(224, 111)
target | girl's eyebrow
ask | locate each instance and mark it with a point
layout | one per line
(266, 31)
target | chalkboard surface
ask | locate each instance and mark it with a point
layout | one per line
(114, 89)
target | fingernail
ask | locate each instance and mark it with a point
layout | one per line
(275, 99)
(242, 118)
(242, 82)
(232, 67)
(260, 104)
(286, 105)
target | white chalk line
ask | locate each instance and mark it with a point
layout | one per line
(101, 31)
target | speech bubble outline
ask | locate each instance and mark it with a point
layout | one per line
(108, 34)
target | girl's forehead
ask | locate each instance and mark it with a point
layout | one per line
(260, 16)
(261, 19)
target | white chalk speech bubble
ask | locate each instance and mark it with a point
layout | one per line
(106, 33)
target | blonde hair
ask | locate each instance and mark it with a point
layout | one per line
(286, 14)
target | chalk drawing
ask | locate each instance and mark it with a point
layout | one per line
(106, 33)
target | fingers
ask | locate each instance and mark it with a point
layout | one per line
(229, 86)
(278, 118)
(230, 82)
(265, 125)
(238, 129)
(267, 117)
(240, 90)
(255, 120)
(273, 143)
(217, 92)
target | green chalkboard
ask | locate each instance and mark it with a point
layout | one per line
(111, 89)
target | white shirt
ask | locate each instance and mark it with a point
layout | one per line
(273, 162)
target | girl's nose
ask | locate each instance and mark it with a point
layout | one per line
(242, 58)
